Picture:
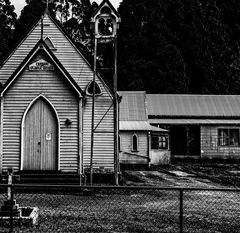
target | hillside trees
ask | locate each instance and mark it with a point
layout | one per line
(73, 15)
(30, 13)
(7, 21)
(174, 47)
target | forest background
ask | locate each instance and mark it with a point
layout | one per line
(174, 46)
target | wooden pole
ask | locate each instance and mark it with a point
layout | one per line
(1, 132)
(41, 27)
(80, 109)
(9, 180)
(93, 111)
(116, 121)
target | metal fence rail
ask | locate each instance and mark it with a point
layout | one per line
(124, 209)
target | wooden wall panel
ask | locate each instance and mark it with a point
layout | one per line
(65, 51)
(126, 142)
(22, 92)
(81, 71)
(209, 144)
(104, 135)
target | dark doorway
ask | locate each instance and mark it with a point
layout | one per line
(185, 140)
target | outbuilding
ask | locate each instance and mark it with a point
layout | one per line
(200, 126)
(139, 142)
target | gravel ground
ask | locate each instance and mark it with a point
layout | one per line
(134, 211)
(222, 174)
(142, 210)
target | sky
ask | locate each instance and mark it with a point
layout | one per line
(19, 4)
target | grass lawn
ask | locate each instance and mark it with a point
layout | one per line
(133, 211)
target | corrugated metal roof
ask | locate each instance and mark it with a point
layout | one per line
(132, 106)
(193, 105)
(139, 126)
(176, 121)
(157, 129)
(134, 126)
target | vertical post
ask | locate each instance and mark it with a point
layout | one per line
(181, 210)
(10, 197)
(148, 148)
(80, 107)
(1, 132)
(93, 111)
(41, 27)
(116, 117)
(11, 211)
(10, 177)
(187, 131)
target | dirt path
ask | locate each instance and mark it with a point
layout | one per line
(173, 178)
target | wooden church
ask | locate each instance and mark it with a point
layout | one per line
(46, 106)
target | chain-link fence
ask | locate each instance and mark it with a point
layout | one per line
(120, 209)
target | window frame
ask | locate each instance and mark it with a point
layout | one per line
(119, 143)
(159, 142)
(134, 136)
(227, 137)
(97, 85)
(52, 47)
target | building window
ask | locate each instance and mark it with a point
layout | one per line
(159, 142)
(134, 142)
(90, 89)
(119, 143)
(228, 137)
(49, 43)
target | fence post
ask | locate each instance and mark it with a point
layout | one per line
(11, 210)
(181, 210)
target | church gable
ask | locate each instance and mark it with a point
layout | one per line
(42, 79)
(23, 81)
(64, 49)
(45, 61)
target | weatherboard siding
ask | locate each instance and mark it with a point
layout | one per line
(103, 153)
(64, 50)
(126, 142)
(127, 155)
(209, 144)
(18, 97)
(82, 73)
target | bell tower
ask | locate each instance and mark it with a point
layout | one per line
(106, 22)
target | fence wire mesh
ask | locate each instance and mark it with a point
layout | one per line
(130, 209)
(211, 211)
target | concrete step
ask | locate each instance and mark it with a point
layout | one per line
(44, 178)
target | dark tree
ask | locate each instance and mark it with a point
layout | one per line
(174, 47)
(30, 13)
(7, 21)
(149, 58)
(73, 15)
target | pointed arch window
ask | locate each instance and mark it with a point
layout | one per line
(119, 143)
(134, 142)
(89, 89)
(49, 43)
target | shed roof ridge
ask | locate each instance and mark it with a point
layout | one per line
(193, 105)
(192, 95)
(131, 92)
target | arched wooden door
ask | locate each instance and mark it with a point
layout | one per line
(40, 137)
